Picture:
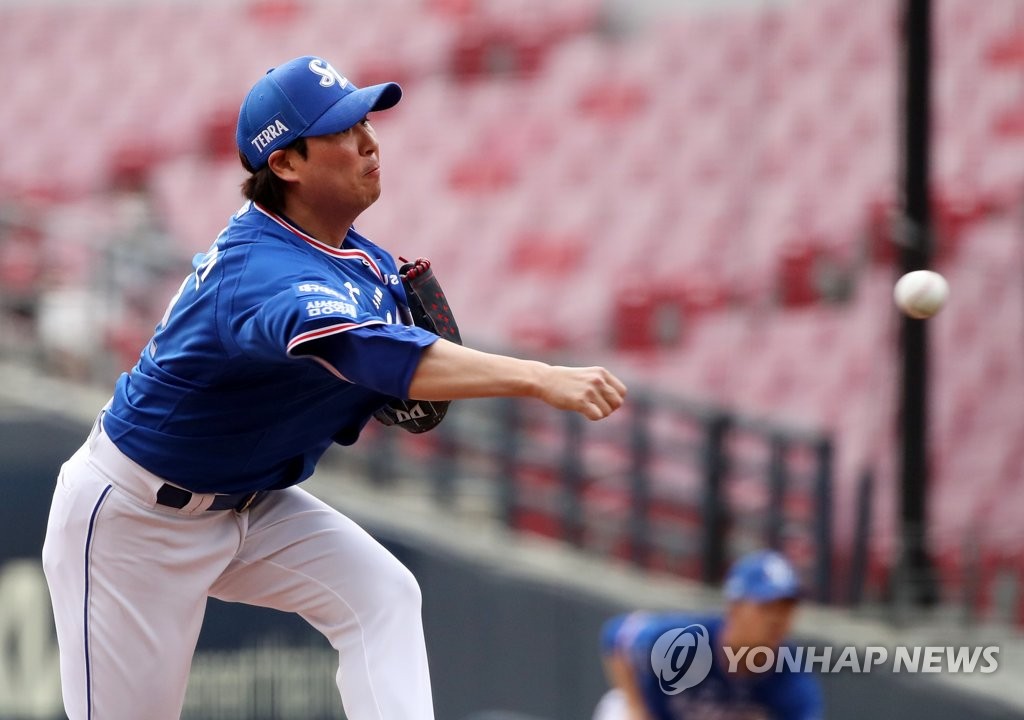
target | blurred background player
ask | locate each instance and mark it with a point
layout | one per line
(762, 592)
(285, 340)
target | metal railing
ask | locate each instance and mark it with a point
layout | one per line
(665, 484)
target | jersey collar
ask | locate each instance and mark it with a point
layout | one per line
(343, 254)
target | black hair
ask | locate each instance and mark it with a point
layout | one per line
(264, 186)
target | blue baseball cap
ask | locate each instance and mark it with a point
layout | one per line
(762, 576)
(304, 97)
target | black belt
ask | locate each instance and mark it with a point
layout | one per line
(174, 497)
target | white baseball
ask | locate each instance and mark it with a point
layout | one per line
(921, 293)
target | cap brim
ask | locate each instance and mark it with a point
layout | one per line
(768, 595)
(354, 107)
(780, 595)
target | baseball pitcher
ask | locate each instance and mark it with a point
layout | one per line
(290, 334)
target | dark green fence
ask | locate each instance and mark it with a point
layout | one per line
(666, 484)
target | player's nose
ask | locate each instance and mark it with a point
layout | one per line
(367, 140)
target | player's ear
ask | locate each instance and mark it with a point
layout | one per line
(282, 163)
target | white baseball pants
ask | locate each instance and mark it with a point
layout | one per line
(612, 706)
(129, 580)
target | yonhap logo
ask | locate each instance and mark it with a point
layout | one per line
(681, 658)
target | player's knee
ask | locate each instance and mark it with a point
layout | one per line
(398, 588)
(388, 596)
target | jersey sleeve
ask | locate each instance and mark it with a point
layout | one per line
(627, 638)
(381, 357)
(610, 632)
(325, 323)
(636, 632)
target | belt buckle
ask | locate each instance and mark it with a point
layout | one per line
(248, 501)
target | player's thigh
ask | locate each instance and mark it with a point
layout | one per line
(74, 496)
(301, 555)
(129, 586)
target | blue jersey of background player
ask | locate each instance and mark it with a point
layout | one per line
(762, 592)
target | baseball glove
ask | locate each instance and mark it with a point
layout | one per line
(429, 310)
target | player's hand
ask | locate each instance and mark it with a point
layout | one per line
(593, 391)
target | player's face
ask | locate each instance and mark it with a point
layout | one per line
(753, 624)
(343, 168)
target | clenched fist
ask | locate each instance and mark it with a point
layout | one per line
(592, 391)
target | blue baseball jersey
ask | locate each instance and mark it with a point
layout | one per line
(274, 347)
(783, 695)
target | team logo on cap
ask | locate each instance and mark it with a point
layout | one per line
(328, 75)
(269, 134)
(778, 572)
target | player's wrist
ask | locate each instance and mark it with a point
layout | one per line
(534, 381)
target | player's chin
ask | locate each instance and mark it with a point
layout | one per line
(372, 193)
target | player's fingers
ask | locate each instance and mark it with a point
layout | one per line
(604, 409)
(612, 391)
(615, 395)
(603, 399)
(607, 405)
(613, 388)
(620, 387)
(593, 411)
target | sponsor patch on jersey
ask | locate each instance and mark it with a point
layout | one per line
(322, 300)
(314, 288)
(319, 308)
